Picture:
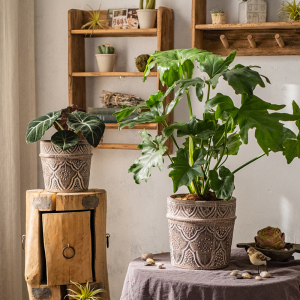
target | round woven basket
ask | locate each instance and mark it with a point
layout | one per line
(200, 233)
(66, 171)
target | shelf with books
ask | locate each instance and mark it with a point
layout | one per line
(164, 33)
(112, 74)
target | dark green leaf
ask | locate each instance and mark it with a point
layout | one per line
(65, 139)
(127, 110)
(224, 186)
(185, 84)
(243, 79)
(291, 149)
(90, 126)
(152, 156)
(155, 102)
(296, 112)
(37, 128)
(182, 173)
(215, 66)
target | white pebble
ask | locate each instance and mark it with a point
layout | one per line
(258, 278)
(265, 274)
(150, 260)
(144, 256)
(234, 273)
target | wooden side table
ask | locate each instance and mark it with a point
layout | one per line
(65, 242)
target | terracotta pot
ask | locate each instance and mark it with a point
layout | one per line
(200, 233)
(147, 17)
(218, 18)
(66, 171)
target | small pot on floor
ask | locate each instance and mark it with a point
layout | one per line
(200, 233)
(147, 18)
(66, 171)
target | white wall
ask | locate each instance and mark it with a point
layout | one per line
(267, 191)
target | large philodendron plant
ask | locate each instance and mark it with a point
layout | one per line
(71, 124)
(220, 131)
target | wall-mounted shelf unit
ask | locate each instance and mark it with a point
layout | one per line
(270, 38)
(164, 32)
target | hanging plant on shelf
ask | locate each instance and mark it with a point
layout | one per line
(95, 20)
(85, 292)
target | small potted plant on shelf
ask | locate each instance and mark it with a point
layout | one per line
(106, 58)
(147, 15)
(66, 159)
(218, 16)
(290, 11)
(201, 222)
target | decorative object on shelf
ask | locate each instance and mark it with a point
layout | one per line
(201, 229)
(85, 292)
(270, 238)
(106, 58)
(117, 100)
(124, 18)
(253, 11)
(147, 16)
(257, 258)
(95, 22)
(289, 11)
(141, 62)
(66, 159)
(218, 16)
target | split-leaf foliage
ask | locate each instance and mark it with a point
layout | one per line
(223, 127)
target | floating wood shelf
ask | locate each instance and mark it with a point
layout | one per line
(149, 126)
(118, 146)
(164, 31)
(112, 74)
(116, 32)
(250, 39)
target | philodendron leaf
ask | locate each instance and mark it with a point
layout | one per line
(37, 128)
(291, 149)
(243, 79)
(185, 84)
(90, 126)
(269, 132)
(127, 110)
(224, 186)
(183, 173)
(65, 139)
(296, 112)
(152, 156)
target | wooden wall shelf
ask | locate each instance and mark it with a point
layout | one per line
(112, 74)
(164, 32)
(149, 126)
(250, 39)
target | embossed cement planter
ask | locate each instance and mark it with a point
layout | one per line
(66, 171)
(200, 233)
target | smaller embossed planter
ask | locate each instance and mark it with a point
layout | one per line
(200, 233)
(66, 171)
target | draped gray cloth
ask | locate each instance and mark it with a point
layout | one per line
(145, 283)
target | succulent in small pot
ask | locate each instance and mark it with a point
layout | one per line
(147, 15)
(106, 58)
(270, 238)
(66, 159)
(218, 16)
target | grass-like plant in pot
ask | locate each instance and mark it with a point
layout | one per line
(201, 222)
(66, 159)
(147, 14)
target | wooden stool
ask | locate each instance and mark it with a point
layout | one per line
(65, 242)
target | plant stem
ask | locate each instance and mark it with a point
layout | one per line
(248, 163)
(165, 124)
(223, 150)
(170, 158)
(59, 125)
(208, 92)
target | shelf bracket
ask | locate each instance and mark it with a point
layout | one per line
(279, 41)
(251, 41)
(224, 41)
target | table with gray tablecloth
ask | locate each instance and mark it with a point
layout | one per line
(149, 282)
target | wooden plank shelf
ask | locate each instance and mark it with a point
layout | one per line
(116, 32)
(112, 74)
(256, 26)
(118, 146)
(149, 126)
(249, 39)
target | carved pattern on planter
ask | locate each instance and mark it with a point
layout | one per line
(66, 171)
(200, 233)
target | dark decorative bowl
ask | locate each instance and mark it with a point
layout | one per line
(275, 255)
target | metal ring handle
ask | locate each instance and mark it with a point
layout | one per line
(66, 247)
